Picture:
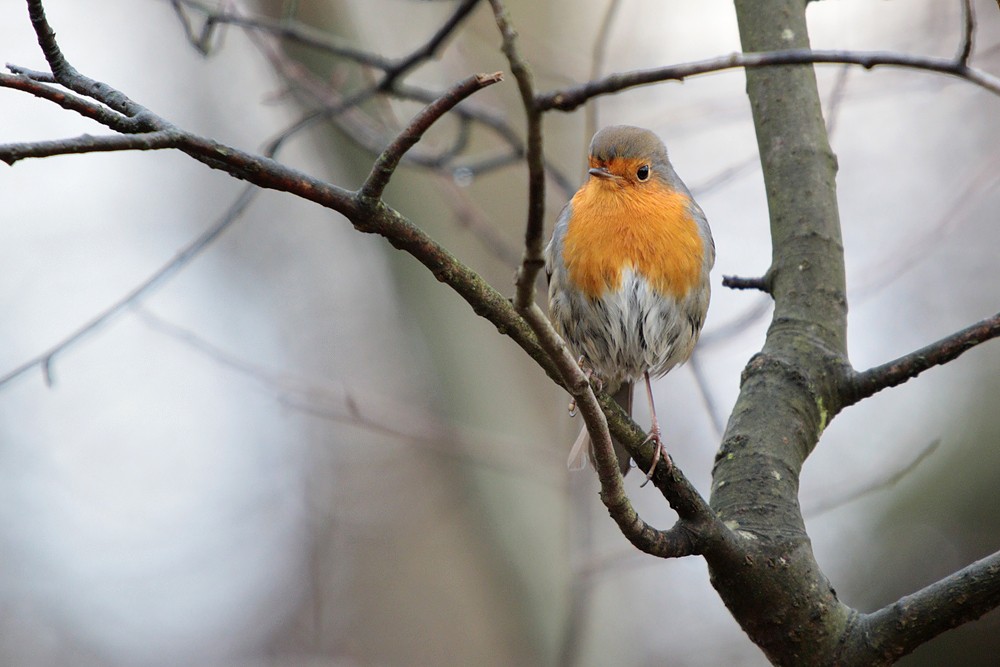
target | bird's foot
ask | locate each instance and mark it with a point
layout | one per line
(658, 452)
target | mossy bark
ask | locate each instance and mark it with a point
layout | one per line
(789, 390)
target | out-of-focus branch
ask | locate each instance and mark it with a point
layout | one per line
(290, 31)
(392, 69)
(968, 33)
(570, 98)
(862, 385)
(367, 216)
(138, 293)
(597, 57)
(887, 479)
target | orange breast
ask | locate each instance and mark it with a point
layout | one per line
(647, 228)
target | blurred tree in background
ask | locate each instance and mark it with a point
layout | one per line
(289, 444)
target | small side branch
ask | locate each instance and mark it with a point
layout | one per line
(532, 262)
(11, 153)
(39, 85)
(864, 384)
(570, 98)
(762, 283)
(387, 162)
(899, 628)
(968, 34)
(138, 293)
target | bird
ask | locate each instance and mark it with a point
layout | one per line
(628, 266)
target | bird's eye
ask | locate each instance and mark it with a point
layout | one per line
(642, 173)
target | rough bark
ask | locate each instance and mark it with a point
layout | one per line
(788, 392)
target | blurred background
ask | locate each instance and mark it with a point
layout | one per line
(298, 448)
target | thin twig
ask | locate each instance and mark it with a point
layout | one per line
(387, 162)
(968, 34)
(762, 283)
(430, 48)
(597, 57)
(68, 76)
(570, 98)
(532, 262)
(89, 144)
(335, 401)
(864, 384)
(138, 293)
(911, 621)
(887, 481)
(284, 29)
(705, 391)
(38, 84)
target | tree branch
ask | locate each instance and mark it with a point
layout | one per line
(366, 216)
(862, 385)
(968, 34)
(893, 631)
(570, 98)
(86, 143)
(68, 76)
(34, 83)
(761, 283)
(387, 162)
(532, 262)
(138, 293)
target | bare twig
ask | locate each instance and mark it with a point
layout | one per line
(761, 283)
(376, 413)
(968, 34)
(597, 57)
(387, 162)
(431, 47)
(705, 391)
(392, 69)
(532, 262)
(902, 626)
(366, 216)
(570, 98)
(864, 384)
(137, 116)
(140, 292)
(885, 482)
(39, 85)
(289, 31)
(89, 144)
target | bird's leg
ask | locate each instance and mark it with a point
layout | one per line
(654, 435)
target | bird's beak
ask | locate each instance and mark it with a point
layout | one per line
(601, 172)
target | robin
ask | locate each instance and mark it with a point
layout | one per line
(628, 269)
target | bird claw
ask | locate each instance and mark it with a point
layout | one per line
(658, 452)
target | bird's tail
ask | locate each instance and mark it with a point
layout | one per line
(583, 447)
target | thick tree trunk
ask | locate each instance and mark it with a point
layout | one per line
(778, 593)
